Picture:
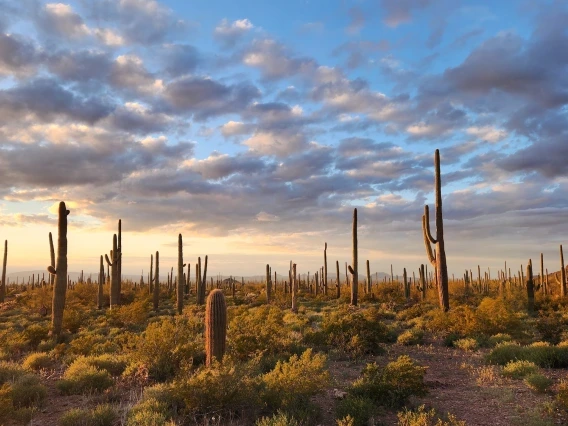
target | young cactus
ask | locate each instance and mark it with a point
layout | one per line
(215, 326)
(60, 272)
(438, 257)
(353, 268)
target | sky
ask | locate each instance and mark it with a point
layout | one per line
(255, 129)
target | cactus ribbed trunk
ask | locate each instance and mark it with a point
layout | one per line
(294, 290)
(542, 281)
(119, 262)
(406, 285)
(438, 260)
(268, 285)
(338, 286)
(156, 289)
(3, 282)
(114, 280)
(325, 269)
(52, 257)
(180, 278)
(100, 285)
(151, 276)
(60, 271)
(422, 282)
(354, 267)
(215, 326)
(200, 284)
(530, 289)
(368, 278)
(562, 274)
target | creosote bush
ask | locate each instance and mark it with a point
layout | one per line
(422, 417)
(538, 382)
(102, 415)
(37, 361)
(542, 355)
(519, 369)
(82, 377)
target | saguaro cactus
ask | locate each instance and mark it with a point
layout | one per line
(423, 284)
(294, 290)
(268, 284)
(3, 282)
(114, 279)
(325, 269)
(530, 289)
(562, 276)
(354, 268)
(119, 261)
(60, 272)
(156, 289)
(437, 258)
(215, 326)
(406, 285)
(100, 285)
(368, 278)
(338, 286)
(52, 257)
(180, 277)
(151, 276)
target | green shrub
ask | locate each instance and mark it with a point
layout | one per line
(291, 384)
(81, 377)
(131, 314)
(421, 417)
(224, 388)
(73, 319)
(113, 364)
(356, 333)
(278, 419)
(169, 343)
(148, 412)
(538, 382)
(358, 410)
(499, 338)
(27, 391)
(256, 331)
(414, 336)
(466, 344)
(102, 415)
(35, 333)
(542, 355)
(37, 361)
(392, 385)
(519, 369)
(10, 371)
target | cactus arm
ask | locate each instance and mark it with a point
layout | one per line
(51, 270)
(429, 252)
(426, 224)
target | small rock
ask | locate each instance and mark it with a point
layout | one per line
(338, 394)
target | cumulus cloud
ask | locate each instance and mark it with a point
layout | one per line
(229, 33)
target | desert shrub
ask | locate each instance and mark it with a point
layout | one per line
(543, 356)
(291, 384)
(37, 361)
(421, 417)
(131, 314)
(495, 316)
(81, 377)
(466, 344)
(27, 391)
(255, 331)
(73, 319)
(538, 382)
(167, 344)
(355, 410)
(414, 336)
(519, 369)
(84, 343)
(156, 406)
(102, 415)
(551, 325)
(460, 321)
(223, 389)
(278, 419)
(391, 385)
(415, 311)
(499, 338)
(10, 371)
(35, 333)
(356, 332)
(113, 364)
(8, 410)
(562, 395)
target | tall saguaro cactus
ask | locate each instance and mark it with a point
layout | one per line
(180, 278)
(437, 258)
(530, 288)
(156, 290)
(268, 284)
(325, 269)
(114, 279)
(3, 282)
(119, 260)
(100, 285)
(368, 277)
(215, 326)
(562, 277)
(354, 268)
(338, 286)
(294, 290)
(60, 272)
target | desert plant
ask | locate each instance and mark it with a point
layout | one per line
(354, 268)
(519, 369)
(113, 262)
(60, 272)
(215, 326)
(437, 258)
(538, 382)
(180, 278)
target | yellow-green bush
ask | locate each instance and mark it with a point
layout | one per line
(102, 415)
(519, 369)
(81, 377)
(421, 417)
(37, 361)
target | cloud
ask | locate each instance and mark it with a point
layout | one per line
(60, 20)
(109, 37)
(267, 217)
(356, 20)
(180, 59)
(487, 133)
(398, 12)
(18, 56)
(229, 34)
